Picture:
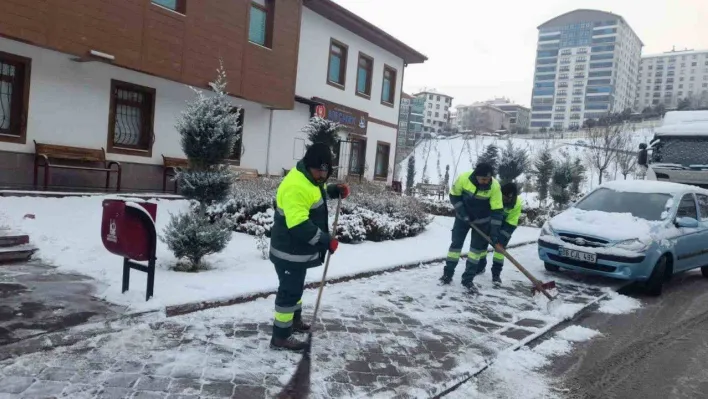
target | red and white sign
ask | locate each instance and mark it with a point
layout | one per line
(320, 111)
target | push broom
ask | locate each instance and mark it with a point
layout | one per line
(299, 385)
(538, 285)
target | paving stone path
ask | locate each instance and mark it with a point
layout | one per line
(35, 298)
(393, 336)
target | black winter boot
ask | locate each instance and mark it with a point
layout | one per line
(288, 344)
(445, 279)
(470, 287)
(496, 280)
(300, 326)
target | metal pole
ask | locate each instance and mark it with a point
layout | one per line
(270, 132)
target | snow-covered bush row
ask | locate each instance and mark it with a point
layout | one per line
(250, 205)
(382, 214)
(370, 214)
(438, 207)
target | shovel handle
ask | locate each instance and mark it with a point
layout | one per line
(326, 266)
(523, 270)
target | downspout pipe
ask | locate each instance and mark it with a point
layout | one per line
(270, 134)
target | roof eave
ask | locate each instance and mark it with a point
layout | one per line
(359, 26)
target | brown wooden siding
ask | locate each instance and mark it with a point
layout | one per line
(183, 48)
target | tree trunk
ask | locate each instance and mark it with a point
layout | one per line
(602, 172)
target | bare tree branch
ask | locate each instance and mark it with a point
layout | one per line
(626, 158)
(603, 143)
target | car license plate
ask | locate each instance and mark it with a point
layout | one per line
(578, 255)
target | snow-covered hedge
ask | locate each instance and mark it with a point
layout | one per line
(438, 207)
(250, 206)
(370, 214)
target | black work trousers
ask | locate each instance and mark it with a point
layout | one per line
(288, 300)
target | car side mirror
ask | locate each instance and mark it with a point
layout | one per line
(642, 156)
(686, 222)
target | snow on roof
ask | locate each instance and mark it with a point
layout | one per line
(684, 129)
(652, 186)
(674, 53)
(674, 117)
(684, 123)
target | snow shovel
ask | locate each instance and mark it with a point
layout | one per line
(539, 286)
(299, 385)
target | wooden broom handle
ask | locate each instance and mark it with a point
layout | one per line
(329, 256)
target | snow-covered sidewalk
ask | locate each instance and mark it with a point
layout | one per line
(67, 233)
(380, 337)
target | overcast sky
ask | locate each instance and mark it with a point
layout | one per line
(480, 49)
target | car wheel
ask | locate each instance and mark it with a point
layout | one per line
(704, 270)
(550, 267)
(656, 281)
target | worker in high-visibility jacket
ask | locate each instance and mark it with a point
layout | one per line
(477, 199)
(300, 238)
(512, 211)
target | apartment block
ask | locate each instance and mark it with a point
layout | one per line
(672, 76)
(482, 117)
(519, 116)
(586, 65)
(437, 110)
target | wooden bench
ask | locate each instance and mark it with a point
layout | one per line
(430, 189)
(170, 167)
(44, 152)
(244, 173)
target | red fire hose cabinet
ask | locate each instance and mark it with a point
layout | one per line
(128, 230)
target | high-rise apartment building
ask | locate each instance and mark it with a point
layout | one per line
(437, 111)
(586, 65)
(670, 77)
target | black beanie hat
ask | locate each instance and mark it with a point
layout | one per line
(510, 189)
(318, 156)
(484, 170)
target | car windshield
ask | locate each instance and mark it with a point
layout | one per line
(641, 205)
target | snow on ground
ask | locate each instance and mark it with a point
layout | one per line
(619, 304)
(461, 154)
(517, 374)
(67, 233)
(394, 332)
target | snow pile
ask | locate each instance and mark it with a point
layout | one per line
(577, 334)
(619, 304)
(611, 226)
(651, 187)
(517, 374)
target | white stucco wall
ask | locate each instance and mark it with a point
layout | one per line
(69, 105)
(288, 142)
(315, 35)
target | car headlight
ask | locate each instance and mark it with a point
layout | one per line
(633, 244)
(547, 230)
